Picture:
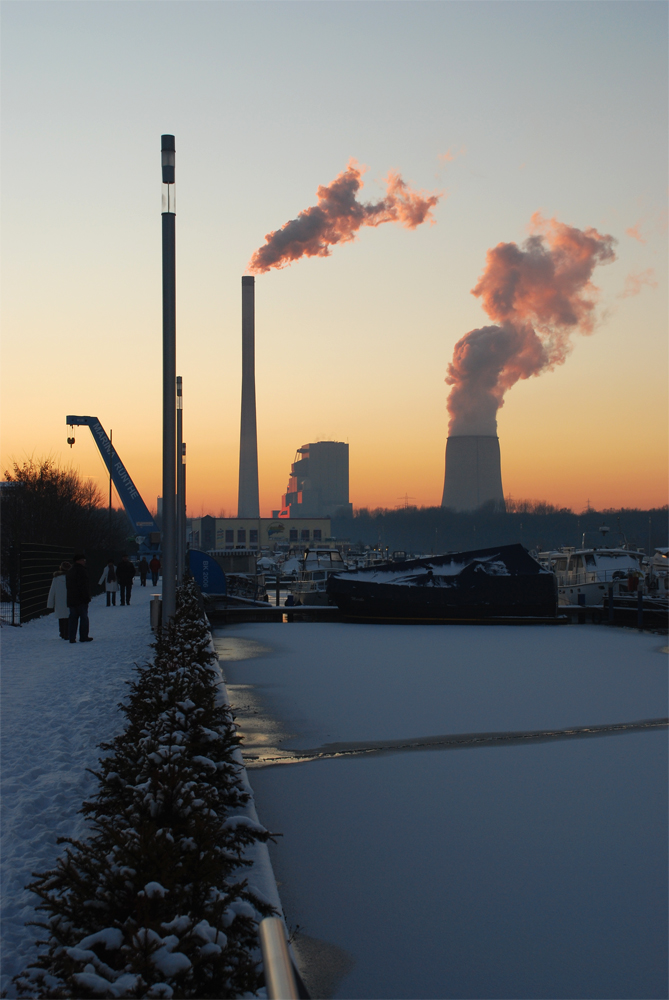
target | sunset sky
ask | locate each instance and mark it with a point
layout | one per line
(506, 109)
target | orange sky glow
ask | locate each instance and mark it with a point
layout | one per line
(467, 124)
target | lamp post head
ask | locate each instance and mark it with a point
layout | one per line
(167, 155)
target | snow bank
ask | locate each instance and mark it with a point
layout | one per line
(59, 702)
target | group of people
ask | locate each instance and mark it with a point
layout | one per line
(70, 592)
(115, 578)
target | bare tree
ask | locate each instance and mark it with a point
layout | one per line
(41, 502)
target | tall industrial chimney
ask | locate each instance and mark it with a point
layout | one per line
(473, 472)
(248, 502)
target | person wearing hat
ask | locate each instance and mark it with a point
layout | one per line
(78, 599)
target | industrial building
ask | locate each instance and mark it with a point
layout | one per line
(473, 472)
(246, 533)
(318, 482)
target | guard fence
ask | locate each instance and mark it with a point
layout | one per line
(27, 573)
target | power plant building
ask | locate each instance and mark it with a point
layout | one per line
(248, 534)
(318, 482)
(473, 472)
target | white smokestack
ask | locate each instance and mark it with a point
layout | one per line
(248, 502)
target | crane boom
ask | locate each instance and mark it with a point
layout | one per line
(137, 511)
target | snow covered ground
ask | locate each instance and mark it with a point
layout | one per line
(58, 703)
(529, 871)
(517, 871)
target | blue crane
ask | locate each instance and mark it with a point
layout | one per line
(138, 513)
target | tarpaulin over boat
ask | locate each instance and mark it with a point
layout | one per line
(493, 583)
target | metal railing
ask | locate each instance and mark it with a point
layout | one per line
(579, 579)
(27, 580)
(10, 612)
(280, 980)
(38, 563)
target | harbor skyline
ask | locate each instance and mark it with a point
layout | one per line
(502, 110)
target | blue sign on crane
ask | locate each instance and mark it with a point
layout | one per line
(137, 511)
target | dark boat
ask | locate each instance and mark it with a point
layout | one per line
(500, 584)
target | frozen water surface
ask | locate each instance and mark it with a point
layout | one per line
(522, 871)
(339, 683)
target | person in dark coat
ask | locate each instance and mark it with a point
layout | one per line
(143, 570)
(78, 599)
(125, 572)
(154, 566)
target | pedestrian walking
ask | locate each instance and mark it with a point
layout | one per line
(110, 582)
(154, 566)
(78, 599)
(57, 599)
(143, 570)
(125, 572)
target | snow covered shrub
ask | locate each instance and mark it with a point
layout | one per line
(153, 904)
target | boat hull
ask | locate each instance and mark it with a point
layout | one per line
(525, 592)
(312, 598)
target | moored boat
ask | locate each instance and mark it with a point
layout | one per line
(503, 583)
(316, 567)
(585, 575)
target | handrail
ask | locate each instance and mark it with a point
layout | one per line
(279, 976)
(579, 578)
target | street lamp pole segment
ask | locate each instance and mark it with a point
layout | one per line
(169, 526)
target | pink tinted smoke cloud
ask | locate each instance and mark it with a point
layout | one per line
(634, 232)
(449, 156)
(537, 294)
(338, 216)
(636, 280)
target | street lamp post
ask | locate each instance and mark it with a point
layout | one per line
(181, 484)
(169, 526)
(111, 466)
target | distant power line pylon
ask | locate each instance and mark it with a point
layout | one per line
(405, 505)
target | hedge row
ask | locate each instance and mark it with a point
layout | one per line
(154, 903)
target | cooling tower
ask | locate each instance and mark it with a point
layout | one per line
(248, 503)
(473, 472)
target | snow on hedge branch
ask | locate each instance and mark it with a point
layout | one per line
(154, 903)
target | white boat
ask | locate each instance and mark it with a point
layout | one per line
(657, 573)
(585, 575)
(316, 566)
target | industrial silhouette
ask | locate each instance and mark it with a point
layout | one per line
(248, 502)
(318, 482)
